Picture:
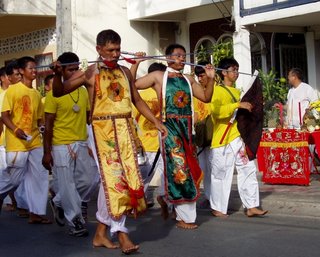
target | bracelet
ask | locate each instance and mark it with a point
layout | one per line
(15, 130)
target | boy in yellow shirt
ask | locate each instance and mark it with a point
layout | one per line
(21, 113)
(230, 153)
(66, 150)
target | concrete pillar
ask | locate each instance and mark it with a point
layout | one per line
(242, 53)
(313, 62)
(64, 26)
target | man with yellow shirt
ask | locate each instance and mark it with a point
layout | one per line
(66, 148)
(18, 198)
(21, 113)
(230, 153)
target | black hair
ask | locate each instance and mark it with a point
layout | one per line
(157, 66)
(23, 61)
(199, 69)
(47, 79)
(108, 36)
(11, 66)
(225, 64)
(68, 57)
(3, 71)
(298, 73)
(170, 48)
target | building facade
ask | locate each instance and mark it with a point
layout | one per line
(266, 34)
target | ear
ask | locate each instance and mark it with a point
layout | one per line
(224, 72)
(98, 48)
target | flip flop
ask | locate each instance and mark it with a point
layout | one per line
(40, 221)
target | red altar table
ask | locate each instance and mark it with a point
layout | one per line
(283, 156)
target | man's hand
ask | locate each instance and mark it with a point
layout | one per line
(246, 105)
(56, 67)
(162, 128)
(140, 57)
(210, 71)
(47, 161)
(20, 133)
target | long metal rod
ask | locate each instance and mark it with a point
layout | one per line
(145, 57)
(199, 65)
(149, 56)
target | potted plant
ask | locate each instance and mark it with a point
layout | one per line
(274, 93)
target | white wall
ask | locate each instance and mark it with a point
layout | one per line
(89, 19)
(145, 8)
(34, 7)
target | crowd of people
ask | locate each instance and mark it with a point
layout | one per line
(91, 126)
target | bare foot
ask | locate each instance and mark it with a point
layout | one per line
(219, 214)
(103, 241)
(100, 239)
(9, 207)
(182, 224)
(255, 212)
(127, 246)
(164, 207)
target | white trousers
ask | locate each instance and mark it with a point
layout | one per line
(19, 194)
(102, 214)
(26, 167)
(75, 173)
(186, 212)
(204, 164)
(223, 160)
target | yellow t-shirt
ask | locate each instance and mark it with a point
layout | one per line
(148, 133)
(69, 126)
(222, 108)
(24, 106)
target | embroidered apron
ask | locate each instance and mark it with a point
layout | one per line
(115, 137)
(179, 183)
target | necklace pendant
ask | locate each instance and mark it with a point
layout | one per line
(76, 108)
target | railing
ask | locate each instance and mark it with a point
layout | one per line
(267, 6)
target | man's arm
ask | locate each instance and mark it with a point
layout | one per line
(143, 107)
(78, 79)
(6, 118)
(47, 160)
(134, 67)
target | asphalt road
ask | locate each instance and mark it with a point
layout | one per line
(237, 236)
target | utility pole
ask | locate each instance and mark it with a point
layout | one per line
(64, 26)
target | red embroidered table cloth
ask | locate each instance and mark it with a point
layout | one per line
(283, 157)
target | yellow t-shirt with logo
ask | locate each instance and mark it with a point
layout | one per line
(69, 126)
(147, 132)
(24, 105)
